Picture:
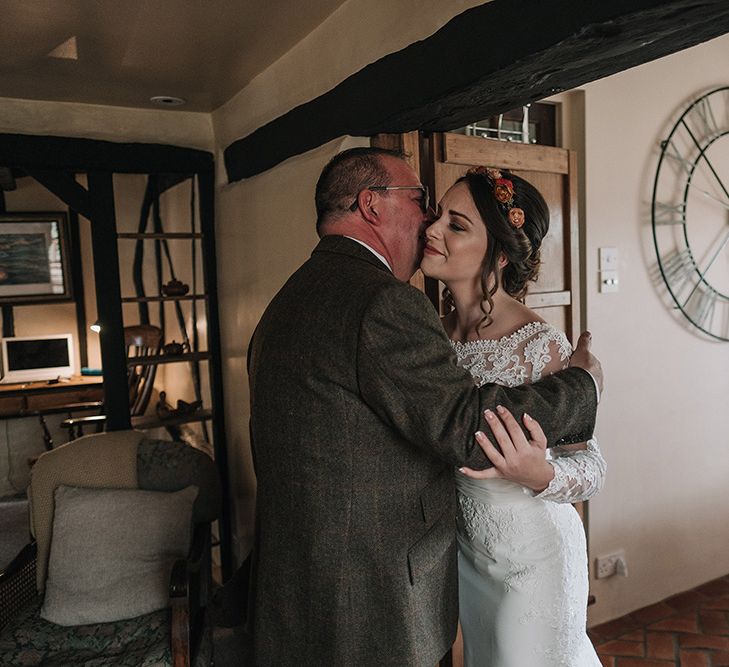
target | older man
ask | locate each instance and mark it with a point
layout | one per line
(358, 417)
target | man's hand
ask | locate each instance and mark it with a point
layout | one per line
(583, 358)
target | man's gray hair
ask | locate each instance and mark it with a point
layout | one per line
(345, 176)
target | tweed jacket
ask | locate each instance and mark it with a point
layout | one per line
(358, 417)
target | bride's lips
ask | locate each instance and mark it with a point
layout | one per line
(430, 250)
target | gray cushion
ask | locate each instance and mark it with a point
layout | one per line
(112, 552)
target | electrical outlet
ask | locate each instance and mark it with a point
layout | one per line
(611, 564)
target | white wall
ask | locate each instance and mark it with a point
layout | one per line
(663, 421)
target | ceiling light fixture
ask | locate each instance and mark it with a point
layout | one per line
(167, 100)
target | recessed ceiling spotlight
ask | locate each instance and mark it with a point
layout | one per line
(167, 100)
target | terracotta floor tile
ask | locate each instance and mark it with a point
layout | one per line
(654, 613)
(620, 647)
(718, 603)
(642, 662)
(714, 622)
(690, 629)
(704, 641)
(612, 629)
(686, 600)
(660, 645)
(716, 588)
(694, 659)
(683, 623)
(720, 659)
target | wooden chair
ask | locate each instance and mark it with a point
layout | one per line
(141, 340)
(120, 459)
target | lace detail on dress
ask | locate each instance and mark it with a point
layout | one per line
(515, 359)
(521, 358)
(578, 475)
(489, 525)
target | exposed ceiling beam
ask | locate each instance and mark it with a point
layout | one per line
(7, 180)
(487, 60)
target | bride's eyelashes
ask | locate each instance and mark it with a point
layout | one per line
(456, 227)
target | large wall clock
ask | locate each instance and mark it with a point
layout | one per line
(690, 213)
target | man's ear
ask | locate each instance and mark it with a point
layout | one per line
(369, 206)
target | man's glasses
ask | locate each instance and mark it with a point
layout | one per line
(424, 202)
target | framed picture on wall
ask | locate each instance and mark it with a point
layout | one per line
(34, 258)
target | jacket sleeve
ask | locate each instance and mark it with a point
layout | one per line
(408, 376)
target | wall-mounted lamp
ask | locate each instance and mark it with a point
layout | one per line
(96, 327)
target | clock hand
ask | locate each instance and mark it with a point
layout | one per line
(702, 154)
(714, 197)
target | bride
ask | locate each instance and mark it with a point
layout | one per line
(523, 577)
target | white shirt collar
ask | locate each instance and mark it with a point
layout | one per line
(373, 251)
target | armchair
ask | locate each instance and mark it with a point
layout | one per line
(172, 636)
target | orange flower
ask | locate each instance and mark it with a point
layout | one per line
(516, 217)
(503, 190)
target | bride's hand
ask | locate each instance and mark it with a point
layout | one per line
(520, 460)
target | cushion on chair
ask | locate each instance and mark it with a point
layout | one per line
(96, 460)
(112, 552)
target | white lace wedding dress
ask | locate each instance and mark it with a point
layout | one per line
(522, 559)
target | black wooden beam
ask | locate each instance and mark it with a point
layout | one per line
(487, 60)
(67, 189)
(206, 189)
(82, 155)
(108, 301)
(77, 281)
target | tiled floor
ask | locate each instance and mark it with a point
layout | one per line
(687, 630)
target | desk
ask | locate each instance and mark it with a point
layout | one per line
(37, 399)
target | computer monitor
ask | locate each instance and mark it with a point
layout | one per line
(34, 358)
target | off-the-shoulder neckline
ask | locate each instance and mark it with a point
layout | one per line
(530, 328)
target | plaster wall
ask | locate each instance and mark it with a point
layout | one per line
(663, 423)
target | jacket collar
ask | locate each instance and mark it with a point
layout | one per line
(342, 245)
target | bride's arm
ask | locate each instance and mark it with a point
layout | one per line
(579, 470)
(578, 475)
(571, 473)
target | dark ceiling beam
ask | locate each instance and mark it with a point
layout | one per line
(86, 155)
(487, 60)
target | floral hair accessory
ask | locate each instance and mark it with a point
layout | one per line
(503, 193)
(516, 217)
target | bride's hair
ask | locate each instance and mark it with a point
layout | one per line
(519, 245)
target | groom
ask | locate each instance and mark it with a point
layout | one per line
(358, 417)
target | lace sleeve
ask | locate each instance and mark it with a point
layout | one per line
(578, 475)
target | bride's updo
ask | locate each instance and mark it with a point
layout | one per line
(517, 220)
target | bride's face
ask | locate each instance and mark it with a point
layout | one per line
(456, 241)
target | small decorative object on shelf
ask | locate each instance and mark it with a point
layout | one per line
(166, 411)
(175, 288)
(175, 348)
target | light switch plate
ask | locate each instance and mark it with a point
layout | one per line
(608, 259)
